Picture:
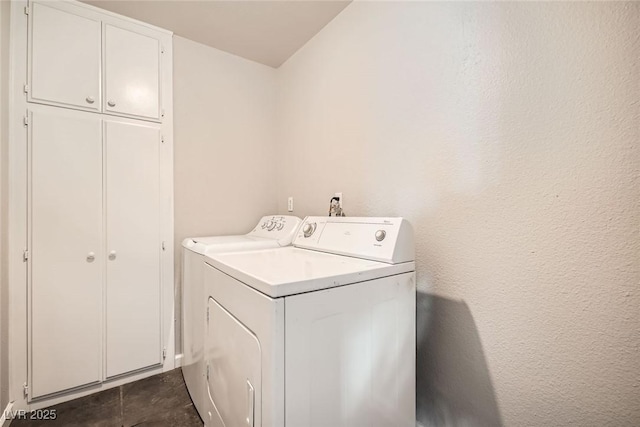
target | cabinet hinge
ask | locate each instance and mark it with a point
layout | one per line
(25, 389)
(162, 141)
(164, 353)
(207, 314)
(161, 48)
(26, 88)
(163, 247)
(207, 372)
(162, 112)
(25, 120)
(26, 10)
(25, 255)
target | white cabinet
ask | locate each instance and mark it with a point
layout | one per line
(133, 246)
(132, 73)
(64, 57)
(67, 250)
(91, 212)
(92, 257)
(75, 236)
(84, 60)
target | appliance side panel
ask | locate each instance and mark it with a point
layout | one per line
(193, 323)
(350, 355)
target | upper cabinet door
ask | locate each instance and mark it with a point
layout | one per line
(64, 57)
(132, 74)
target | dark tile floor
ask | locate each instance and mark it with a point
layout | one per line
(158, 401)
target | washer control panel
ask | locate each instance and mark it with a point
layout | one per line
(274, 223)
(280, 227)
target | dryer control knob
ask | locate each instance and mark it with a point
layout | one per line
(380, 235)
(308, 229)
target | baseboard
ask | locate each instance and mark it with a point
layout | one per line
(178, 360)
(6, 417)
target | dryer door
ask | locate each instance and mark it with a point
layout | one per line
(233, 370)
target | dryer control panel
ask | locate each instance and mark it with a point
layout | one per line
(387, 240)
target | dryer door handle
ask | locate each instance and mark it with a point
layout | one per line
(251, 392)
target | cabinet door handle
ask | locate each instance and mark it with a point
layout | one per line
(111, 104)
(112, 255)
(91, 256)
(90, 99)
(251, 403)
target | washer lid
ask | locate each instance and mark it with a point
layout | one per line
(290, 270)
(213, 244)
(271, 232)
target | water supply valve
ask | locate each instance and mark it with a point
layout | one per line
(335, 209)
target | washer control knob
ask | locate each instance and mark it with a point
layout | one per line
(380, 235)
(308, 229)
(272, 225)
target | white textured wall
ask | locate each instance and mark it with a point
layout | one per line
(224, 165)
(4, 141)
(507, 133)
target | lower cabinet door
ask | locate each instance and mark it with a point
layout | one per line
(65, 200)
(133, 299)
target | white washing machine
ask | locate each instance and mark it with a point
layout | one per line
(318, 334)
(271, 232)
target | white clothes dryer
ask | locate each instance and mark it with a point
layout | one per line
(321, 333)
(271, 232)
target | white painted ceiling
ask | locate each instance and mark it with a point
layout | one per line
(264, 31)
